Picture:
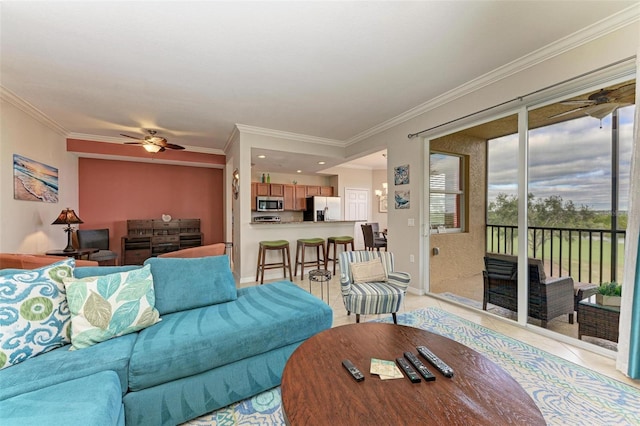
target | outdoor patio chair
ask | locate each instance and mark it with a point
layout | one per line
(548, 297)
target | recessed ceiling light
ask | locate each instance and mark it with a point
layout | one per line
(321, 162)
(298, 171)
(262, 156)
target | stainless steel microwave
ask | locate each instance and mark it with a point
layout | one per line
(269, 204)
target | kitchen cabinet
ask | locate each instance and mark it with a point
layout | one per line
(301, 197)
(267, 189)
(263, 189)
(254, 194)
(313, 190)
(276, 189)
(295, 197)
(289, 197)
(326, 191)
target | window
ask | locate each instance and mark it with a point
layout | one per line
(446, 188)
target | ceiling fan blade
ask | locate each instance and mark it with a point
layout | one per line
(173, 146)
(134, 143)
(127, 136)
(623, 91)
(577, 102)
(571, 111)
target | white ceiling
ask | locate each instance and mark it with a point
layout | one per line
(330, 70)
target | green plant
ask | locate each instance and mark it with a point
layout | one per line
(610, 289)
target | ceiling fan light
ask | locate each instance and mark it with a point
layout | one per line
(151, 147)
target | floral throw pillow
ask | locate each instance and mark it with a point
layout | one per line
(34, 316)
(110, 305)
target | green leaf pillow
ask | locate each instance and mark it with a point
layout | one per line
(110, 305)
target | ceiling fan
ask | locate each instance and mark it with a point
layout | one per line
(152, 143)
(601, 103)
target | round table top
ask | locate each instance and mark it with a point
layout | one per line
(317, 389)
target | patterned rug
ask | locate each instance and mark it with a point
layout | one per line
(566, 393)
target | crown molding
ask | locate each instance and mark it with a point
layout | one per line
(599, 29)
(24, 106)
(243, 128)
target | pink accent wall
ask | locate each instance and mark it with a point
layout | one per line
(112, 191)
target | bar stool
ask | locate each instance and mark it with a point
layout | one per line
(303, 243)
(281, 245)
(333, 242)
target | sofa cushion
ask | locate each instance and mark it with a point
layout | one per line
(262, 318)
(94, 271)
(184, 283)
(61, 365)
(107, 306)
(92, 400)
(33, 312)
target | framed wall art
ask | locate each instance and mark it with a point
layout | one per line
(34, 181)
(403, 199)
(401, 175)
(382, 204)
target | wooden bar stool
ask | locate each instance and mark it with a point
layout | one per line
(303, 243)
(281, 245)
(334, 242)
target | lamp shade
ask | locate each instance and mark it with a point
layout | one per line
(67, 217)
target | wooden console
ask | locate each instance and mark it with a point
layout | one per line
(150, 237)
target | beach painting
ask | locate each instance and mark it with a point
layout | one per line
(34, 181)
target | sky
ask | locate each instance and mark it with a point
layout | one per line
(570, 159)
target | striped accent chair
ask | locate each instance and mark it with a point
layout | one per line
(377, 297)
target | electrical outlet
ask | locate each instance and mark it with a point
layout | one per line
(411, 222)
(412, 258)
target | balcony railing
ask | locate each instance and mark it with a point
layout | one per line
(587, 255)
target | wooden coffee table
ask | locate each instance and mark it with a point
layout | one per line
(316, 388)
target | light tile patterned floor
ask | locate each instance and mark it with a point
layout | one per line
(602, 364)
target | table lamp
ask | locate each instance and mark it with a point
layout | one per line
(68, 217)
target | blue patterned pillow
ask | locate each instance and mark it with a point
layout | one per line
(34, 315)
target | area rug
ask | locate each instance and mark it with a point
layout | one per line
(566, 393)
(558, 324)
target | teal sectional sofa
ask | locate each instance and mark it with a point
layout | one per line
(214, 345)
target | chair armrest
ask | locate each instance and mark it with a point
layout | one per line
(558, 282)
(345, 284)
(399, 279)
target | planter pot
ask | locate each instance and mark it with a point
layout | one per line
(608, 300)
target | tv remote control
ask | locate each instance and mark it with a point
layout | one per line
(413, 376)
(353, 370)
(422, 369)
(433, 359)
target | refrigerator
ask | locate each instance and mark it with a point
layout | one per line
(323, 209)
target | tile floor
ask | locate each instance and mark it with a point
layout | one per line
(595, 361)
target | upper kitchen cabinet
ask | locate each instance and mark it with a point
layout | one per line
(295, 197)
(313, 190)
(326, 191)
(268, 189)
(276, 189)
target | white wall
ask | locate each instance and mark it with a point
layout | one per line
(25, 226)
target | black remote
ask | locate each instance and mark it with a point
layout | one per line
(413, 376)
(422, 369)
(353, 370)
(435, 361)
